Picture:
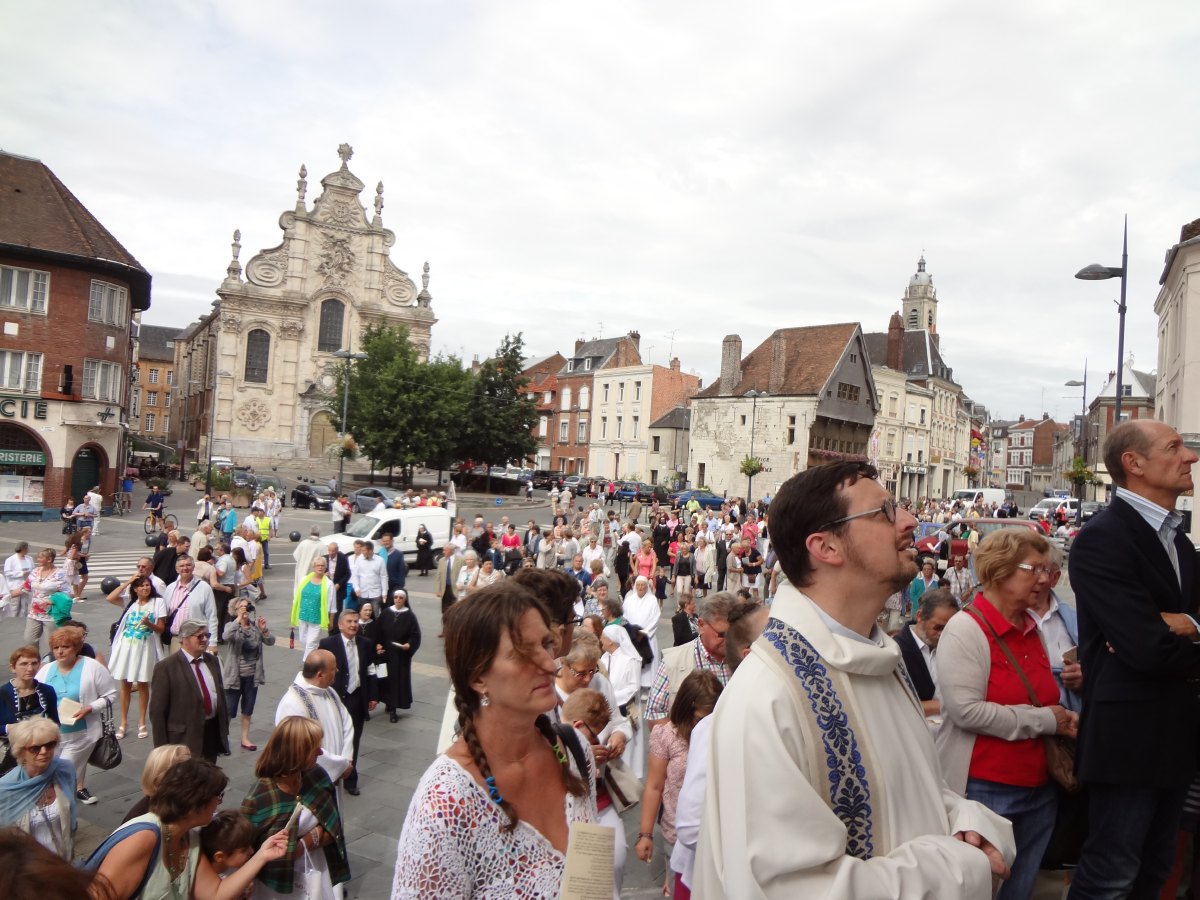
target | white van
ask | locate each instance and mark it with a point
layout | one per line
(402, 525)
(971, 496)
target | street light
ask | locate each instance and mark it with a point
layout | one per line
(1083, 436)
(212, 428)
(347, 356)
(753, 395)
(1097, 272)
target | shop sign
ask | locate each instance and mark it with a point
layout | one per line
(914, 470)
(22, 458)
(21, 407)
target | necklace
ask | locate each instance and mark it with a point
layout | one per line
(175, 866)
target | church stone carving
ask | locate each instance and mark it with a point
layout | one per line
(254, 414)
(337, 258)
(269, 268)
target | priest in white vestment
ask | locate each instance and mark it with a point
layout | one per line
(823, 779)
(311, 695)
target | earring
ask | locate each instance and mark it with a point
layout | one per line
(485, 700)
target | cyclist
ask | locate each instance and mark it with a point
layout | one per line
(154, 503)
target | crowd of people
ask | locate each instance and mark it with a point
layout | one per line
(831, 716)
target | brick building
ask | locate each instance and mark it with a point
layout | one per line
(68, 292)
(150, 407)
(569, 430)
(1031, 454)
(542, 387)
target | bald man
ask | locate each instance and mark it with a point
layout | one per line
(311, 695)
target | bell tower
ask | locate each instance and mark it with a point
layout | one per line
(920, 301)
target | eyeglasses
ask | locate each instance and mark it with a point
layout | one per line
(586, 673)
(35, 749)
(574, 620)
(1039, 570)
(888, 509)
(719, 634)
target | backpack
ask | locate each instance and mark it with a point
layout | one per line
(641, 643)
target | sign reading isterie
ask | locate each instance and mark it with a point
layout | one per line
(21, 407)
(22, 458)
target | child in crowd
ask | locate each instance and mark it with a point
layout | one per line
(228, 842)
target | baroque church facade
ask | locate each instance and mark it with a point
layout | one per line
(258, 373)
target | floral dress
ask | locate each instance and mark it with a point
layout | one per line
(40, 589)
(136, 647)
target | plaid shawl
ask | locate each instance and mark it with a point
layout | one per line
(268, 808)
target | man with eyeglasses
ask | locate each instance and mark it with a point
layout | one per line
(187, 696)
(824, 780)
(705, 651)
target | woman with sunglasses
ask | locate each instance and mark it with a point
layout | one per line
(38, 796)
(990, 658)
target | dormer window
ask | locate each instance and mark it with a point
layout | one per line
(587, 365)
(570, 365)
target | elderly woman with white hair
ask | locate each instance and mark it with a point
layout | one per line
(470, 568)
(38, 796)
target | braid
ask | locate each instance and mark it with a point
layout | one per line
(466, 726)
(573, 783)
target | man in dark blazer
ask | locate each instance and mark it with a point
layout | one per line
(1134, 577)
(721, 546)
(396, 566)
(355, 680)
(918, 644)
(445, 578)
(337, 566)
(187, 700)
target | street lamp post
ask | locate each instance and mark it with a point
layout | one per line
(1083, 437)
(1097, 272)
(753, 395)
(347, 356)
(212, 428)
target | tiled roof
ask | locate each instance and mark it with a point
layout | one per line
(811, 353)
(152, 342)
(679, 417)
(38, 214)
(920, 356)
(599, 349)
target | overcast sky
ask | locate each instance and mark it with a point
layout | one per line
(571, 170)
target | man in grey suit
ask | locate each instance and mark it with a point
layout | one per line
(446, 577)
(187, 700)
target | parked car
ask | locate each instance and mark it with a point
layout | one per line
(545, 479)
(402, 524)
(272, 481)
(312, 496)
(706, 499)
(244, 478)
(1045, 509)
(364, 499)
(1091, 507)
(644, 492)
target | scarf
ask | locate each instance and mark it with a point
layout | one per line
(19, 791)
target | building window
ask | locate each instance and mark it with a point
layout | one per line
(619, 428)
(655, 444)
(621, 392)
(891, 443)
(167, 399)
(166, 423)
(847, 392)
(585, 396)
(791, 431)
(913, 320)
(562, 431)
(1127, 390)
(152, 398)
(743, 421)
(258, 355)
(541, 426)
(20, 371)
(606, 393)
(654, 476)
(547, 398)
(566, 398)
(24, 289)
(152, 378)
(700, 475)
(101, 381)
(581, 436)
(637, 390)
(922, 415)
(603, 427)
(570, 365)
(853, 357)
(150, 421)
(634, 436)
(107, 304)
(134, 403)
(587, 364)
(170, 376)
(333, 314)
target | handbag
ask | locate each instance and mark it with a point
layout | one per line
(1060, 750)
(624, 788)
(107, 752)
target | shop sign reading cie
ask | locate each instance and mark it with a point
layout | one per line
(21, 407)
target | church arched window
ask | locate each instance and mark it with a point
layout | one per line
(333, 314)
(258, 356)
(931, 318)
(913, 321)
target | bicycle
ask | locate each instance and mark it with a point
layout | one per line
(166, 522)
(121, 502)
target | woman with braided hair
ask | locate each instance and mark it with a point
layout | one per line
(492, 815)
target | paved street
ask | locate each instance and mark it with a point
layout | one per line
(393, 757)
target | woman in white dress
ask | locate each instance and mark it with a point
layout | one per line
(16, 581)
(491, 817)
(136, 646)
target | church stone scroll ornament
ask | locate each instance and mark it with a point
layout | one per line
(268, 268)
(254, 414)
(291, 329)
(397, 286)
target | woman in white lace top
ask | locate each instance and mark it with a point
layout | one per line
(491, 817)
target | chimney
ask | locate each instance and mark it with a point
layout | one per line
(778, 355)
(731, 363)
(636, 337)
(1021, 419)
(675, 364)
(895, 335)
(579, 342)
(1045, 416)
(475, 364)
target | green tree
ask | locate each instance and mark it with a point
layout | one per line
(499, 422)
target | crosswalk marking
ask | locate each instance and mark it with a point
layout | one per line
(121, 563)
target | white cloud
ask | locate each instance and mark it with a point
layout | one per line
(668, 167)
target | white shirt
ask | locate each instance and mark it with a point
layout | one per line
(634, 540)
(929, 654)
(590, 553)
(16, 570)
(368, 576)
(352, 684)
(1054, 633)
(337, 743)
